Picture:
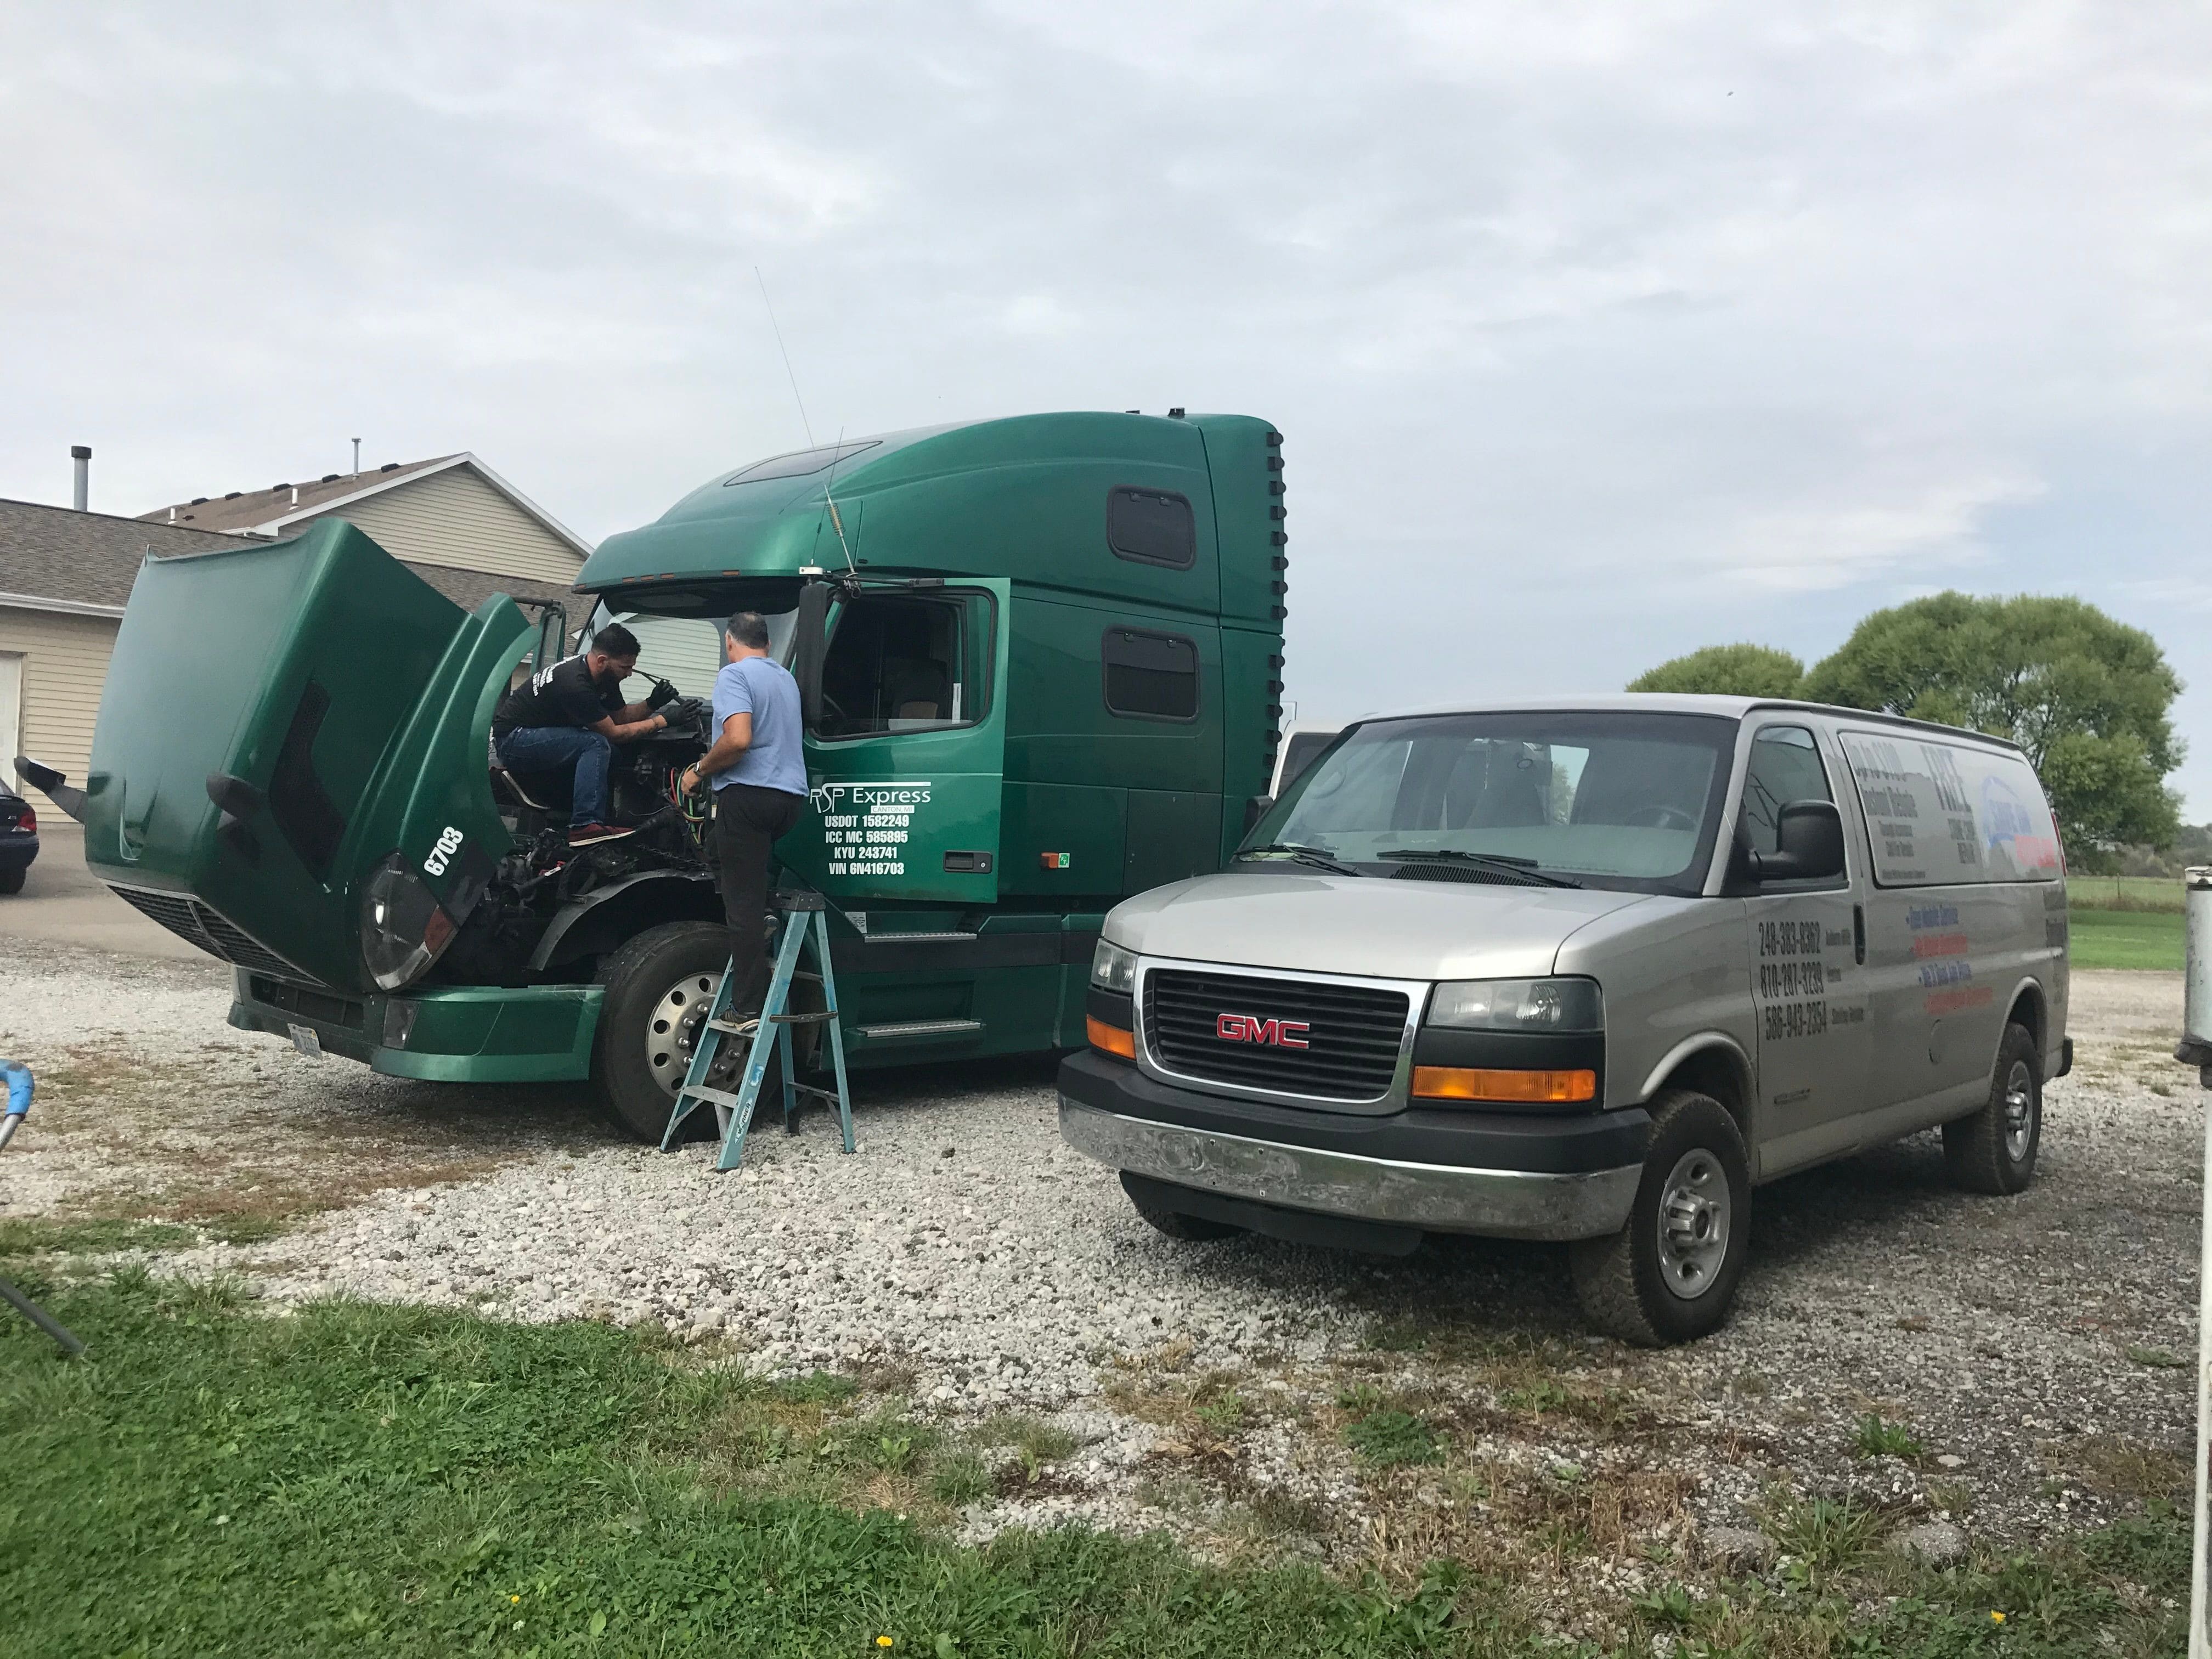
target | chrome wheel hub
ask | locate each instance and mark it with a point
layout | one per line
(1694, 1223)
(673, 1030)
(2019, 1110)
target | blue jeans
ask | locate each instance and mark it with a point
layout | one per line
(546, 748)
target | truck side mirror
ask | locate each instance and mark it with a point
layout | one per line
(1809, 836)
(1256, 809)
(811, 644)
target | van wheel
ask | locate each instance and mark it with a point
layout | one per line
(1994, 1150)
(1670, 1274)
(658, 985)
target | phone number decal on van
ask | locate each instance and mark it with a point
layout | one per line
(1793, 978)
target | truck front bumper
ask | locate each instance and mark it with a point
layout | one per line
(1501, 1175)
(448, 1034)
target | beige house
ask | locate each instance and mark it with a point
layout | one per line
(65, 575)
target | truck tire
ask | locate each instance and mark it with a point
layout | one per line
(1994, 1150)
(640, 1055)
(1670, 1274)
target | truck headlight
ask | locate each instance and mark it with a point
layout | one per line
(402, 927)
(1113, 968)
(1518, 1004)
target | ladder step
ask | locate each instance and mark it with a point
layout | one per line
(717, 1096)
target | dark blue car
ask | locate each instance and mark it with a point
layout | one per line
(19, 840)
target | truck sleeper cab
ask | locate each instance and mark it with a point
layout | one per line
(1040, 658)
(1587, 972)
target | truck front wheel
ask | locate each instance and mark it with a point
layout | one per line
(1670, 1274)
(658, 986)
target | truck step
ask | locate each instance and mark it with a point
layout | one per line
(915, 1028)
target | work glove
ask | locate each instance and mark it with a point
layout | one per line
(662, 692)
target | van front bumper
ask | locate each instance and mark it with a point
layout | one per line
(1498, 1174)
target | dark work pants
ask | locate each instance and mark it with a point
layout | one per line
(748, 821)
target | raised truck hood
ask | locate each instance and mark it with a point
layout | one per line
(1311, 921)
(342, 709)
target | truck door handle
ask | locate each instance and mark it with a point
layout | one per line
(1858, 934)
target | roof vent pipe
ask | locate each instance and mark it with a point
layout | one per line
(82, 454)
(356, 454)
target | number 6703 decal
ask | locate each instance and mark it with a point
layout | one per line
(449, 844)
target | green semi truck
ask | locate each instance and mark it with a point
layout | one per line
(1042, 662)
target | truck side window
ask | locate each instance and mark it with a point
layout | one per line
(901, 664)
(1150, 675)
(1785, 766)
(1152, 526)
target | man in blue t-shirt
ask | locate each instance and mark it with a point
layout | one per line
(758, 768)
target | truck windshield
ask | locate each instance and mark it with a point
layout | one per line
(686, 651)
(1607, 798)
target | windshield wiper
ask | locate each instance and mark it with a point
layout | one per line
(1492, 861)
(1314, 856)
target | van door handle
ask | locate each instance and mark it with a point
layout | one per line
(1858, 934)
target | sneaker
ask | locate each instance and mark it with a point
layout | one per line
(589, 835)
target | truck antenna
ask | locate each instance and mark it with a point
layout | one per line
(836, 453)
(805, 424)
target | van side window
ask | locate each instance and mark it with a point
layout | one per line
(1150, 675)
(1944, 815)
(1152, 526)
(1785, 766)
(900, 663)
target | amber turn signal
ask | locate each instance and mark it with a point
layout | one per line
(1112, 1039)
(1474, 1083)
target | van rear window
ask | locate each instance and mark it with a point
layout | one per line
(1943, 815)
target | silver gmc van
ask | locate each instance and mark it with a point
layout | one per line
(1587, 970)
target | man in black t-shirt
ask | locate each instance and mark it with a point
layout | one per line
(573, 713)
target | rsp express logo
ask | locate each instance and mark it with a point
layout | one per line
(1269, 1033)
(901, 796)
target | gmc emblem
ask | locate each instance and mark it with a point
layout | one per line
(1250, 1028)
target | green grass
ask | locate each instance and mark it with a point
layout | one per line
(2125, 938)
(415, 1481)
(1876, 1438)
(1388, 1438)
(37, 1235)
(2124, 892)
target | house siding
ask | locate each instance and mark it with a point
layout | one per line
(455, 519)
(65, 666)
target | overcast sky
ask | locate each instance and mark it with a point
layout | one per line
(1596, 333)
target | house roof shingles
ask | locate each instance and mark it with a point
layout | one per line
(250, 509)
(56, 554)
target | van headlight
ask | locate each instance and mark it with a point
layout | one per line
(402, 927)
(1113, 968)
(1518, 1004)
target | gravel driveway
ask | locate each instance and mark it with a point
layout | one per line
(2018, 1355)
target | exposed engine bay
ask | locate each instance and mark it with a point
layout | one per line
(544, 882)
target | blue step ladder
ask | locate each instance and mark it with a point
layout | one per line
(805, 918)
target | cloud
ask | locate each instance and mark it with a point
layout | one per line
(1737, 318)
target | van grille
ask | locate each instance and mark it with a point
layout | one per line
(201, 925)
(1354, 1036)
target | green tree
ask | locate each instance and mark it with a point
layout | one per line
(2086, 697)
(1735, 671)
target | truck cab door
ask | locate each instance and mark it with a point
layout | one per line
(905, 760)
(1808, 977)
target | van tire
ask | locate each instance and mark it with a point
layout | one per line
(1621, 1280)
(1994, 1150)
(637, 977)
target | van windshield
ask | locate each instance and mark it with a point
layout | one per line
(1603, 798)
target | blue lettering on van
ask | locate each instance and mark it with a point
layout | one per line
(1931, 915)
(1946, 973)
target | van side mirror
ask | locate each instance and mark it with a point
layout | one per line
(811, 644)
(1810, 837)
